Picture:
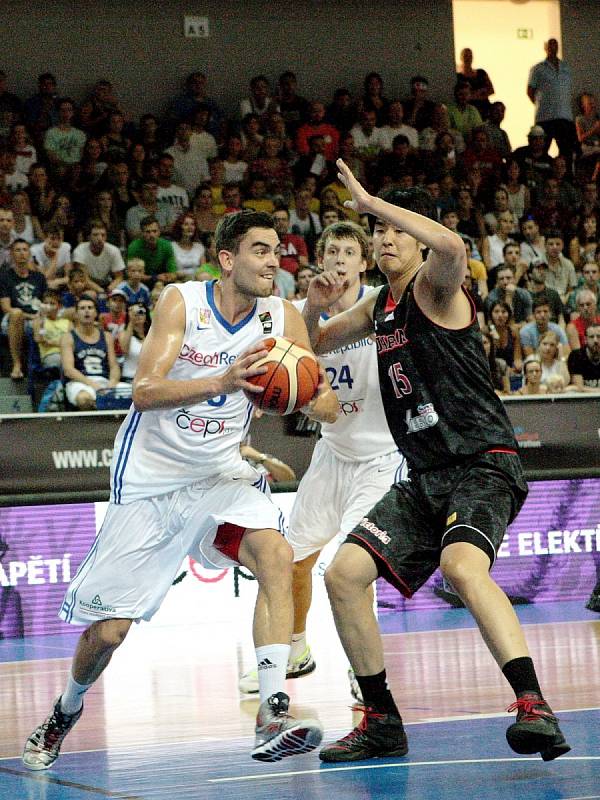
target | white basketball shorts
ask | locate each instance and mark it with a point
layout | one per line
(141, 545)
(334, 495)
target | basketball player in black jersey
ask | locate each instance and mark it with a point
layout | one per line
(466, 483)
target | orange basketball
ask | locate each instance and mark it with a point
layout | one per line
(291, 380)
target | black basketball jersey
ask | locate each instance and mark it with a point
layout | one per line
(91, 359)
(436, 386)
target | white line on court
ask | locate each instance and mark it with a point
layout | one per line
(324, 771)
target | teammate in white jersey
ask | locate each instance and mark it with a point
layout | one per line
(356, 460)
(179, 485)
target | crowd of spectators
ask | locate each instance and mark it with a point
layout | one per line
(98, 211)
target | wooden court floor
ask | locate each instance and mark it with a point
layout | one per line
(167, 721)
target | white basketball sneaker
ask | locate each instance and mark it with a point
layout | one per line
(43, 746)
(279, 735)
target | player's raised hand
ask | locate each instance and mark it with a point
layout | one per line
(325, 288)
(244, 367)
(360, 196)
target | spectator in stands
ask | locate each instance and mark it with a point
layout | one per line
(260, 101)
(418, 108)
(196, 94)
(148, 207)
(507, 291)
(150, 136)
(41, 194)
(549, 87)
(78, 285)
(203, 209)
(40, 110)
(232, 199)
(328, 215)
(590, 279)
(48, 328)
(479, 81)
(506, 336)
(10, 107)
(553, 366)
(93, 162)
(373, 99)
(156, 253)
(519, 197)
(256, 196)
(103, 103)
(533, 158)
(583, 246)
(462, 114)
(102, 261)
(22, 287)
(88, 357)
(114, 319)
(395, 126)
(497, 135)
(440, 123)
(63, 143)
(547, 209)
(236, 170)
(589, 199)
(561, 272)
(115, 143)
(293, 108)
(304, 222)
(493, 246)
(531, 333)
(135, 291)
(7, 236)
(369, 140)
(391, 167)
(498, 368)
(170, 195)
(251, 137)
(103, 208)
(587, 315)
(568, 196)
(584, 364)
(500, 205)
(201, 138)
(53, 256)
(480, 152)
(341, 112)
(303, 278)
(125, 189)
(131, 338)
(536, 285)
(25, 225)
(587, 126)
(532, 375)
(190, 164)
(477, 270)
(317, 126)
(20, 141)
(293, 254)
(14, 179)
(187, 248)
(512, 258)
(533, 246)
(314, 163)
(273, 168)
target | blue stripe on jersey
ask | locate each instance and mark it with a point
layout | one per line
(210, 296)
(248, 420)
(124, 454)
(398, 474)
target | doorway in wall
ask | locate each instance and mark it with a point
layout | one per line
(507, 37)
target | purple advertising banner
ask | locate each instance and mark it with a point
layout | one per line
(40, 550)
(550, 552)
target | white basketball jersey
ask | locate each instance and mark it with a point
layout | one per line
(159, 451)
(361, 431)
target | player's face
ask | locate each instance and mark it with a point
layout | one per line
(394, 250)
(344, 256)
(256, 262)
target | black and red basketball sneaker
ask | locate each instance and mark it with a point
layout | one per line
(377, 736)
(536, 729)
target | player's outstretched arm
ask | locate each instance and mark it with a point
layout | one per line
(342, 329)
(151, 387)
(446, 264)
(324, 406)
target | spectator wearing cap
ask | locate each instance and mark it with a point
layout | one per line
(550, 88)
(533, 158)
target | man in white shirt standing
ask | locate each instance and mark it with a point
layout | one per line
(169, 194)
(191, 166)
(396, 126)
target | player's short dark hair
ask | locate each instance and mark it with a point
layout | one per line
(232, 228)
(413, 199)
(89, 299)
(542, 299)
(344, 230)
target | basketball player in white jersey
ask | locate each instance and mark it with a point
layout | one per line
(356, 460)
(179, 485)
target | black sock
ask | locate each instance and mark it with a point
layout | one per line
(520, 673)
(376, 694)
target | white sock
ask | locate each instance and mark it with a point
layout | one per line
(298, 645)
(72, 698)
(272, 662)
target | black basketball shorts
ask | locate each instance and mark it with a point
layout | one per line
(473, 502)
